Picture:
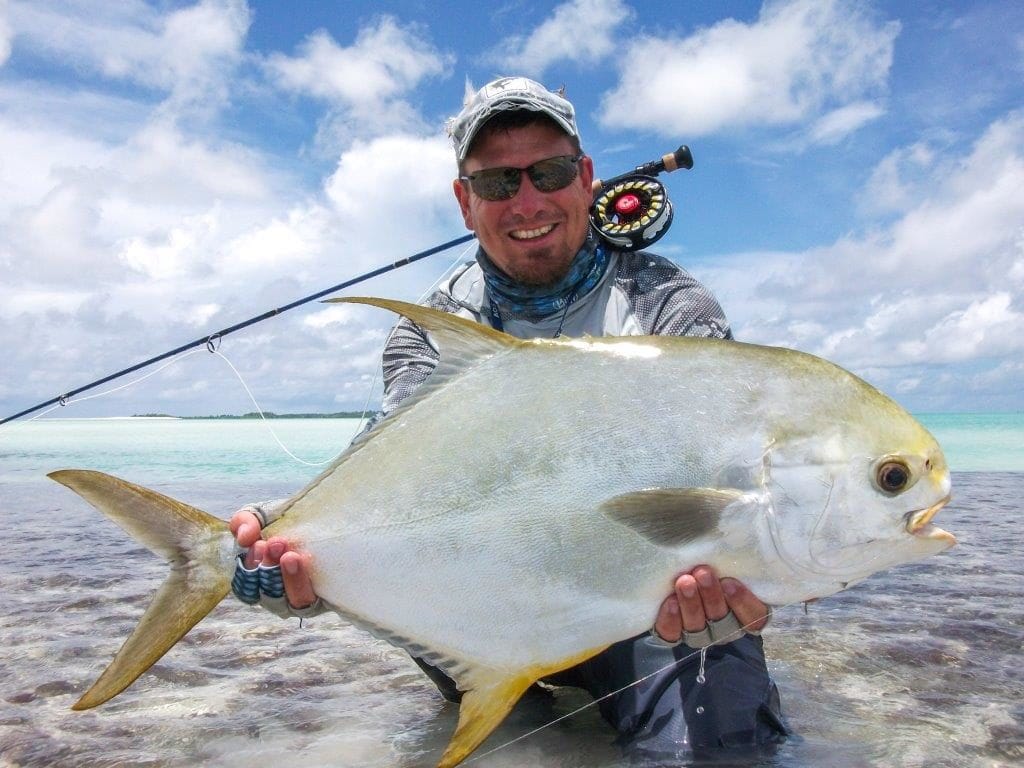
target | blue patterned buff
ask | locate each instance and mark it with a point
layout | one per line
(533, 302)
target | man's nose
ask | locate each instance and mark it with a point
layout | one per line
(528, 199)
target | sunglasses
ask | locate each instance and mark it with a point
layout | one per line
(549, 175)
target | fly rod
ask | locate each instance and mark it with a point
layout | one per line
(630, 211)
(214, 337)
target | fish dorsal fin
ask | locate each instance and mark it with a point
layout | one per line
(461, 343)
(671, 517)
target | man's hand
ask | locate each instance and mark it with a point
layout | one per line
(701, 597)
(298, 587)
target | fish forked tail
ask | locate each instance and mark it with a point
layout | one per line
(200, 550)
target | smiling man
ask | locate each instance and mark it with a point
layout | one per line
(524, 188)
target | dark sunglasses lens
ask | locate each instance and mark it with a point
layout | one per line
(496, 183)
(546, 175)
(553, 174)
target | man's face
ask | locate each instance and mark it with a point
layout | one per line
(534, 236)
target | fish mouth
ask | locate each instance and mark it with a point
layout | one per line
(919, 522)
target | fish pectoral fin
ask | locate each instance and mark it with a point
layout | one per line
(671, 517)
(489, 696)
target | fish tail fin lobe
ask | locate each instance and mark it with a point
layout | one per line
(200, 550)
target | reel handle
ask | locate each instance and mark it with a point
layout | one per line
(681, 158)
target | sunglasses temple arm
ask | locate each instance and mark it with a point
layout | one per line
(681, 158)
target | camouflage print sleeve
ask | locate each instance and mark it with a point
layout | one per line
(409, 357)
(668, 300)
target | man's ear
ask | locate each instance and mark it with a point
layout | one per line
(587, 175)
(461, 190)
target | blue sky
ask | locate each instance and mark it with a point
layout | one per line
(168, 169)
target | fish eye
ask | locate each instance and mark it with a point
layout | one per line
(892, 476)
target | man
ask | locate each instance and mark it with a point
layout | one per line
(524, 188)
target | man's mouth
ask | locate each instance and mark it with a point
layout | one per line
(530, 234)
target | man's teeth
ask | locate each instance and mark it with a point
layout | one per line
(526, 234)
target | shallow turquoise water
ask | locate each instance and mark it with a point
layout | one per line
(979, 442)
(917, 666)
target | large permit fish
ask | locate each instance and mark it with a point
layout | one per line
(533, 502)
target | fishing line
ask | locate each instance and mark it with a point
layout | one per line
(212, 346)
(206, 340)
(366, 406)
(65, 401)
(701, 679)
(266, 423)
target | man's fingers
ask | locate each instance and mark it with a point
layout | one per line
(245, 528)
(669, 625)
(690, 605)
(255, 554)
(273, 550)
(711, 594)
(751, 613)
(297, 584)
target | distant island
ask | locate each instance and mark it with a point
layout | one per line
(266, 415)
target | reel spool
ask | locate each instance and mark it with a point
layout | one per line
(632, 213)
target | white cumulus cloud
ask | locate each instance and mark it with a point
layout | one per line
(579, 31)
(5, 34)
(843, 121)
(188, 53)
(364, 83)
(800, 61)
(938, 287)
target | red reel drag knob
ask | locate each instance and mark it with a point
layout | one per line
(632, 213)
(627, 205)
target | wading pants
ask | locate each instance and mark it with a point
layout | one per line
(672, 714)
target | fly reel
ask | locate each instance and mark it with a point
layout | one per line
(632, 211)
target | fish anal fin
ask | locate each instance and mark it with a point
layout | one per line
(671, 517)
(489, 696)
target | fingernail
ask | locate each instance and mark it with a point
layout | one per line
(673, 607)
(729, 587)
(290, 567)
(689, 591)
(705, 579)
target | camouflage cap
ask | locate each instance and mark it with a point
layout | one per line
(508, 94)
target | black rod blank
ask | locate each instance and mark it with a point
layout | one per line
(244, 324)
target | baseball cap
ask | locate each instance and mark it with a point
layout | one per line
(508, 94)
